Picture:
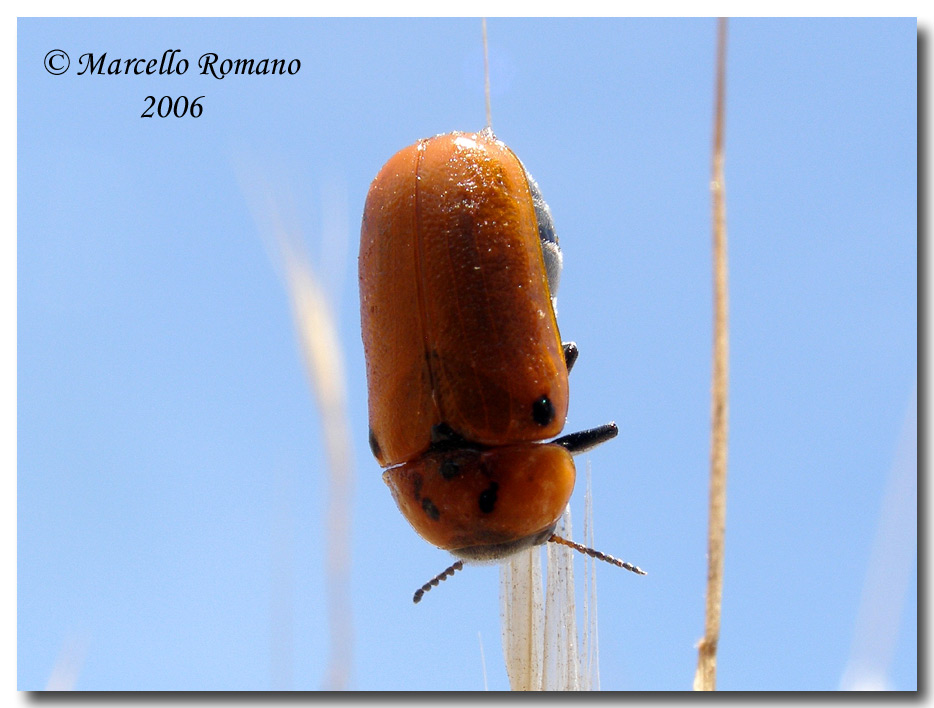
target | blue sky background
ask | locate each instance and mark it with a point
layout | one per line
(170, 492)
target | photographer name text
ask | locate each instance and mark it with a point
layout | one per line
(209, 64)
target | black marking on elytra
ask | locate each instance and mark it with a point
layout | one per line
(570, 354)
(374, 444)
(542, 411)
(442, 432)
(444, 437)
(431, 509)
(417, 487)
(487, 498)
(450, 469)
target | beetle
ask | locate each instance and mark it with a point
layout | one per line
(467, 375)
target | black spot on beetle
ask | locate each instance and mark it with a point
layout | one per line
(450, 469)
(487, 498)
(542, 411)
(417, 487)
(444, 437)
(431, 509)
(374, 444)
(443, 433)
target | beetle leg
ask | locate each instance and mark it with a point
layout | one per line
(570, 354)
(585, 440)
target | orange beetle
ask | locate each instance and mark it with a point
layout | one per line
(465, 366)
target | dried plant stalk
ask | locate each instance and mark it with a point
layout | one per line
(590, 646)
(894, 549)
(486, 77)
(540, 635)
(562, 666)
(321, 348)
(706, 677)
(522, 612)
(322, 354)
(68, 666)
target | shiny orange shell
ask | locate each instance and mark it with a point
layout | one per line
(458, 326)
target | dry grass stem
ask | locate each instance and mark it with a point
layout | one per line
(67, 667)
(562, 666)
(486, 686)
(590, 674)
(706, 677)
(522, 612)
(893, 556)
(320, 345)
(486, 77)
(541, 643)
(316, 329)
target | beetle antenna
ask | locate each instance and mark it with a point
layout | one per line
(594, 554)
(437, 579)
